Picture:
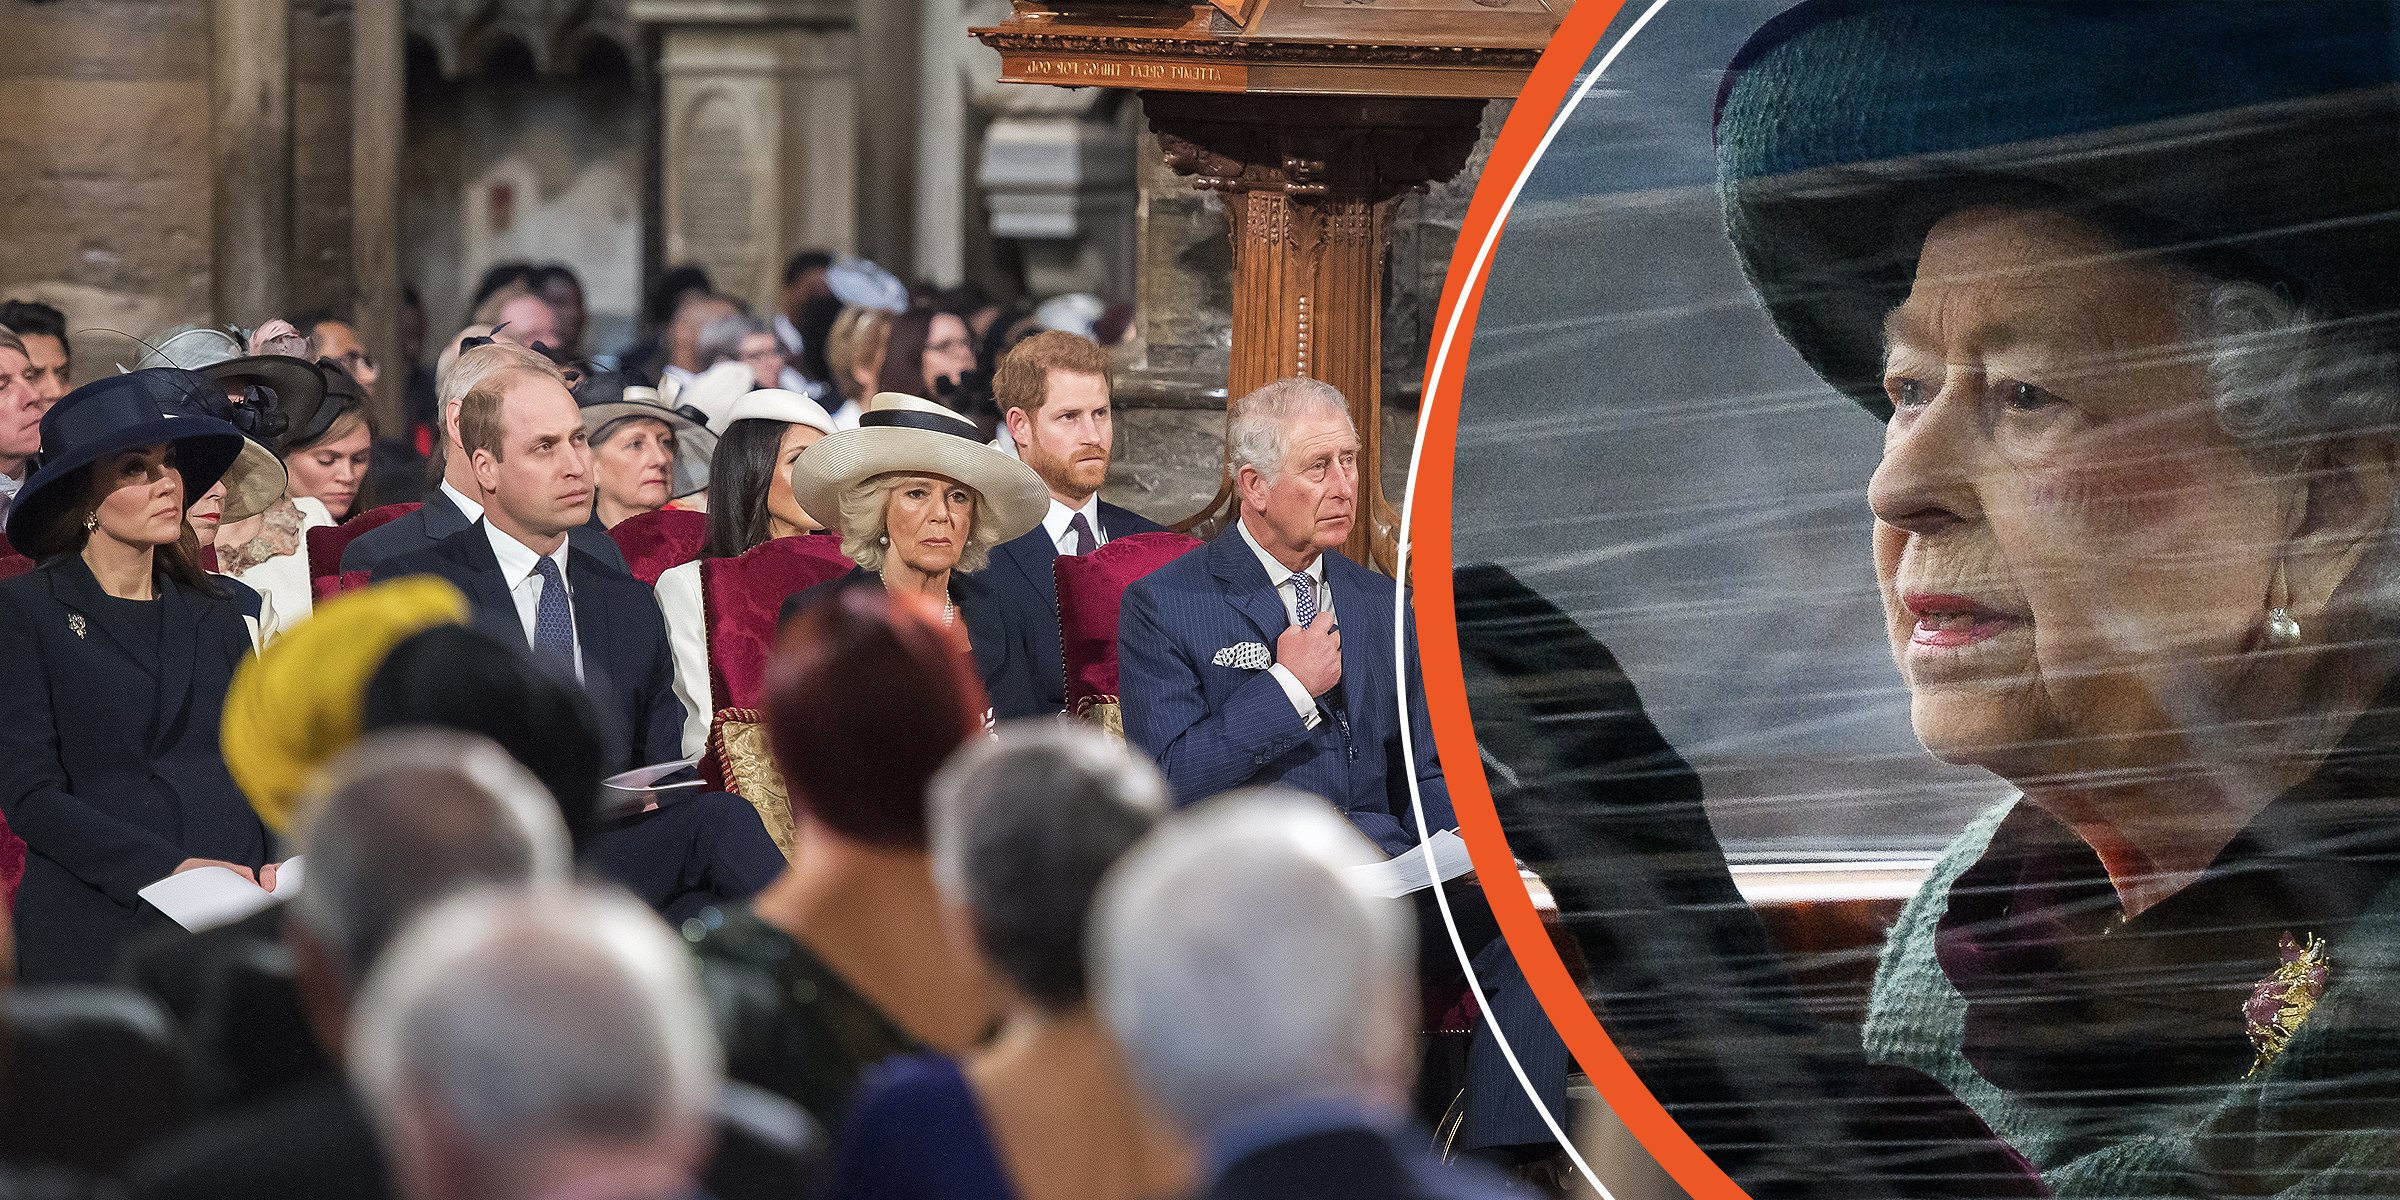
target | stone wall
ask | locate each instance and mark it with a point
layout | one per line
(321, 157)
(105, 166)
(506, 164)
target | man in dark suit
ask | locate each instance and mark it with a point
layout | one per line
(525, 441)
(1224, 940)
(528, 456)
(1052, 389)
(458, 503)
(1265, 657)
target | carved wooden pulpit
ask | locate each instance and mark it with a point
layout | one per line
(1313, 118)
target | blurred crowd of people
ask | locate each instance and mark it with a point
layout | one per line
(666, 772)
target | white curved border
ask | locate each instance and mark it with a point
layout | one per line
(1408, 510)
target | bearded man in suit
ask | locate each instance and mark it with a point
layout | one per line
(1052, 389)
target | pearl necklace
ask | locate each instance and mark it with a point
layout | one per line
(949, 610)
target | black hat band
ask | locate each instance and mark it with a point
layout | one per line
(904, 418)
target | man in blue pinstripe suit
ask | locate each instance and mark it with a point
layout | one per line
(1266, 657)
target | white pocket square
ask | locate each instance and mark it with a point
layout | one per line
(1247, 656)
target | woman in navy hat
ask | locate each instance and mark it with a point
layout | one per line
(115, 654)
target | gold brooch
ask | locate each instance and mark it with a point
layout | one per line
(2285, 997)
(75, 623)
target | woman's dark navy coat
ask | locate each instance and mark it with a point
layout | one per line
(111, 773)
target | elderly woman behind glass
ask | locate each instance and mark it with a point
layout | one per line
(2134, 541)
(1023, 829)
(922, 501)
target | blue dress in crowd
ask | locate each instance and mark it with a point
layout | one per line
(916, 1133)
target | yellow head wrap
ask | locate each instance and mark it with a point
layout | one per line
(297, 703)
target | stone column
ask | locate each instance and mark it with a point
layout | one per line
(378, 103)
(888, 53)
(945, 150)
(1309, 184)
(250, 106)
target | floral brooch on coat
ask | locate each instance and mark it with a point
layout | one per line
(2283, 999)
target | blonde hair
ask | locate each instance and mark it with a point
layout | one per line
(864, 526)
(858, 338)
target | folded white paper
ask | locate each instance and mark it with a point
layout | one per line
(1408, 872)
(646, 779)
(639, 789)
(204, 898)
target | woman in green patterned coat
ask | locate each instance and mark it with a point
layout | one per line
(2122, 280)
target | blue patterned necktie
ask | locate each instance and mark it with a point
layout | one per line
(553, 624)
(1304, 599)
(1082, 530)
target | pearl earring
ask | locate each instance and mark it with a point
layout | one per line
(2282, 630)
(885, 540)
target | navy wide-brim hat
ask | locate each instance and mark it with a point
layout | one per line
(117, 413)
(2248, 140)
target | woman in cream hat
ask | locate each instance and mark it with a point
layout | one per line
(920, 501)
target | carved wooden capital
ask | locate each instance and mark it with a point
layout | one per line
(1314, 148)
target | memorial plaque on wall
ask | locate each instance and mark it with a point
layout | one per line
(718, 223)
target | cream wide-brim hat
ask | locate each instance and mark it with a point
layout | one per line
(900, 433)
(255, 483)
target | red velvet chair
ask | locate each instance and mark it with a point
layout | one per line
(12, 866)
(326, 587)
(741, 596)
(326, 542)
(654, 541)
(13, 565)
(1089, 589)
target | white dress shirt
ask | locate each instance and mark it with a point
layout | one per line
(1293, 689)
(517, 563)
(473, 508)
(1061, 516)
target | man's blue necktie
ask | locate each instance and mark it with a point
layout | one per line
(1304, 599)
(553, 623)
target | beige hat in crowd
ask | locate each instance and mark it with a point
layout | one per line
(906, 433)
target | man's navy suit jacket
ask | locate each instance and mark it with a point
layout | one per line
(627, 669)
(1020, 575)
(1214, 728)
(440, 519)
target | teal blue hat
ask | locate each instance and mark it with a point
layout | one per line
(2247, 140)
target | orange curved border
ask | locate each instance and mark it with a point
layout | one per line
(1513, 155)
